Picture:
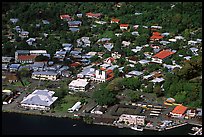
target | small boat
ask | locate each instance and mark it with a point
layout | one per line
(137, 128)
(74, 125)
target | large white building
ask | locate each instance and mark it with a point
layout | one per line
(79, 85)
(39, 99)
(132, 119)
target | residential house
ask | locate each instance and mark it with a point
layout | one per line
(156, 36)
(38, 52)
(45, 22)
(67, 47)
(46, 75)
(60, 55)
(38, 66)
(125, 43)
(179, 38)
(115, 55)
(132, 59)
(14, 20)
(108, 46)
(133, 74)
(172, 40)
(26, 58)
(135, 33)
(171, 67)
(109, 60)
(73, 24)
(66, 17)
(165, 34)
(159, 57)
(164, 42)
(79, 15)
(132, 119)
(124, 26)
(7, 60)
(114, 20)
(143, 61)
(138, 13)
(18, 29)
(39, 100)
(100, 22)
(157, 80)
(104, 40)
(24, 34)
(79, 85)
(87, 72)
(83, 42)
(74, 29)
(94, 15)
(99, 110)
(30, 41)
(137, 49)
(75, 64)
(194, 51)
(156, 27)
(178, 111)
(135, 27)
(14, 67)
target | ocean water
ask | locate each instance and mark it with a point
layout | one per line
(21, 124)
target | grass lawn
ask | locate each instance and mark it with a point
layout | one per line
(67, 102)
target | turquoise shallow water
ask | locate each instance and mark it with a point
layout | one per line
(20, 124)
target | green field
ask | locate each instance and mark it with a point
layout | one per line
(67, 102)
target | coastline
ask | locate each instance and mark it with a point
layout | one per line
(71, 116)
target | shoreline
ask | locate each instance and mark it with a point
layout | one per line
(71, 117)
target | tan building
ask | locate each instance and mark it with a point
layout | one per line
(45, 75)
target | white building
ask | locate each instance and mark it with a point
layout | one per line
(39, 99)
(79, 85)
(76, 107)
(100, 76)
(132, 119)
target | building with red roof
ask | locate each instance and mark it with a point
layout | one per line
(124, 26)
(156, 36)
(159, 57)
(93, 15)
(75, 64)
(109, 60)
(179, 111)
(66, 17)
(26, 58)
(114, 20)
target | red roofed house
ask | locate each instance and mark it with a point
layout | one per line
(156, 36)
(161, 56)
(109, 60)
(93, 15)
(124, 26)
(66, 17)
(179, 111)
(75, 64)
(114, 20)
(26, 58)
